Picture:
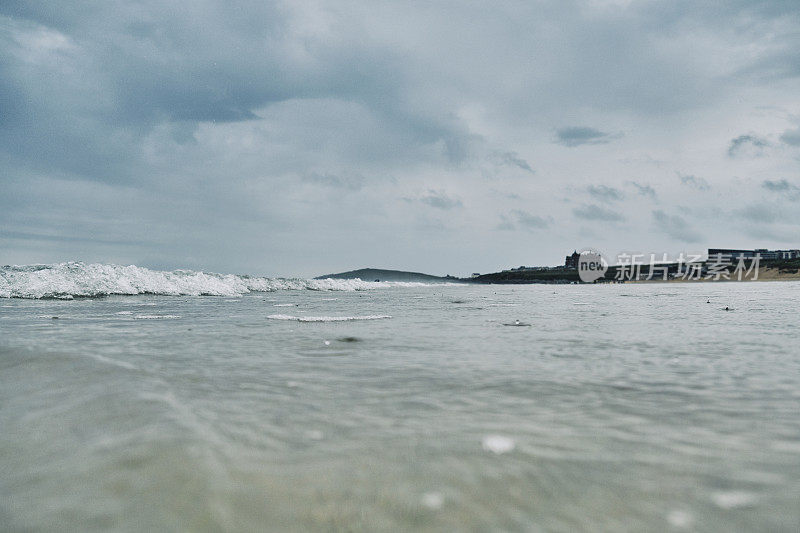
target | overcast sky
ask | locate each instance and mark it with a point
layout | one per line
(302, 138)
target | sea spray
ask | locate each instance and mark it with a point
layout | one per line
(77, 279)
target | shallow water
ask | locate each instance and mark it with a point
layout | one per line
(621, 407)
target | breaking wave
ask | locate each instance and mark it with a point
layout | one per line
(77, 279)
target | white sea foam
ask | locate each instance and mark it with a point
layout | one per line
(68, 280)
(115, 362)
(155, 317)
(734, 499)
(327, 318)
(680, 519)
(433, 500)
(498, 444)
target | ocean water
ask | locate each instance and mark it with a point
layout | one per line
(390, 407)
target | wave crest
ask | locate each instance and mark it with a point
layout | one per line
(77, 279)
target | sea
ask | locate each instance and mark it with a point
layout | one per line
(139, 400)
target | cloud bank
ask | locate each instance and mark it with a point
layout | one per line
(280, 138)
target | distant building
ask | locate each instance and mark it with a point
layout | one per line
(571, 261)
(766, 254)
(476, 274)
(728, 254)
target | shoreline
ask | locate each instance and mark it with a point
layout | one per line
(568, 277)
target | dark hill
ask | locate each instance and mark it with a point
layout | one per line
(372, 274)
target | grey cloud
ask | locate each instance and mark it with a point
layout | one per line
(350, 182)
(647, 159)
(24, 236)
(778, 185)
(605, 193)
(128, 122)
(676, 227)
(790, 190)
(578, 135)
(693, 181)
(747, 144)
(123, 72)
(440, 200)
(505, 224)
(513, 159)
(644, 190)
(771, 232)
(791, 137)
(523, 218)
(530, 220)
(759, 213)
(595, 212)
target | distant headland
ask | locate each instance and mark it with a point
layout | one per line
(381, 274)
